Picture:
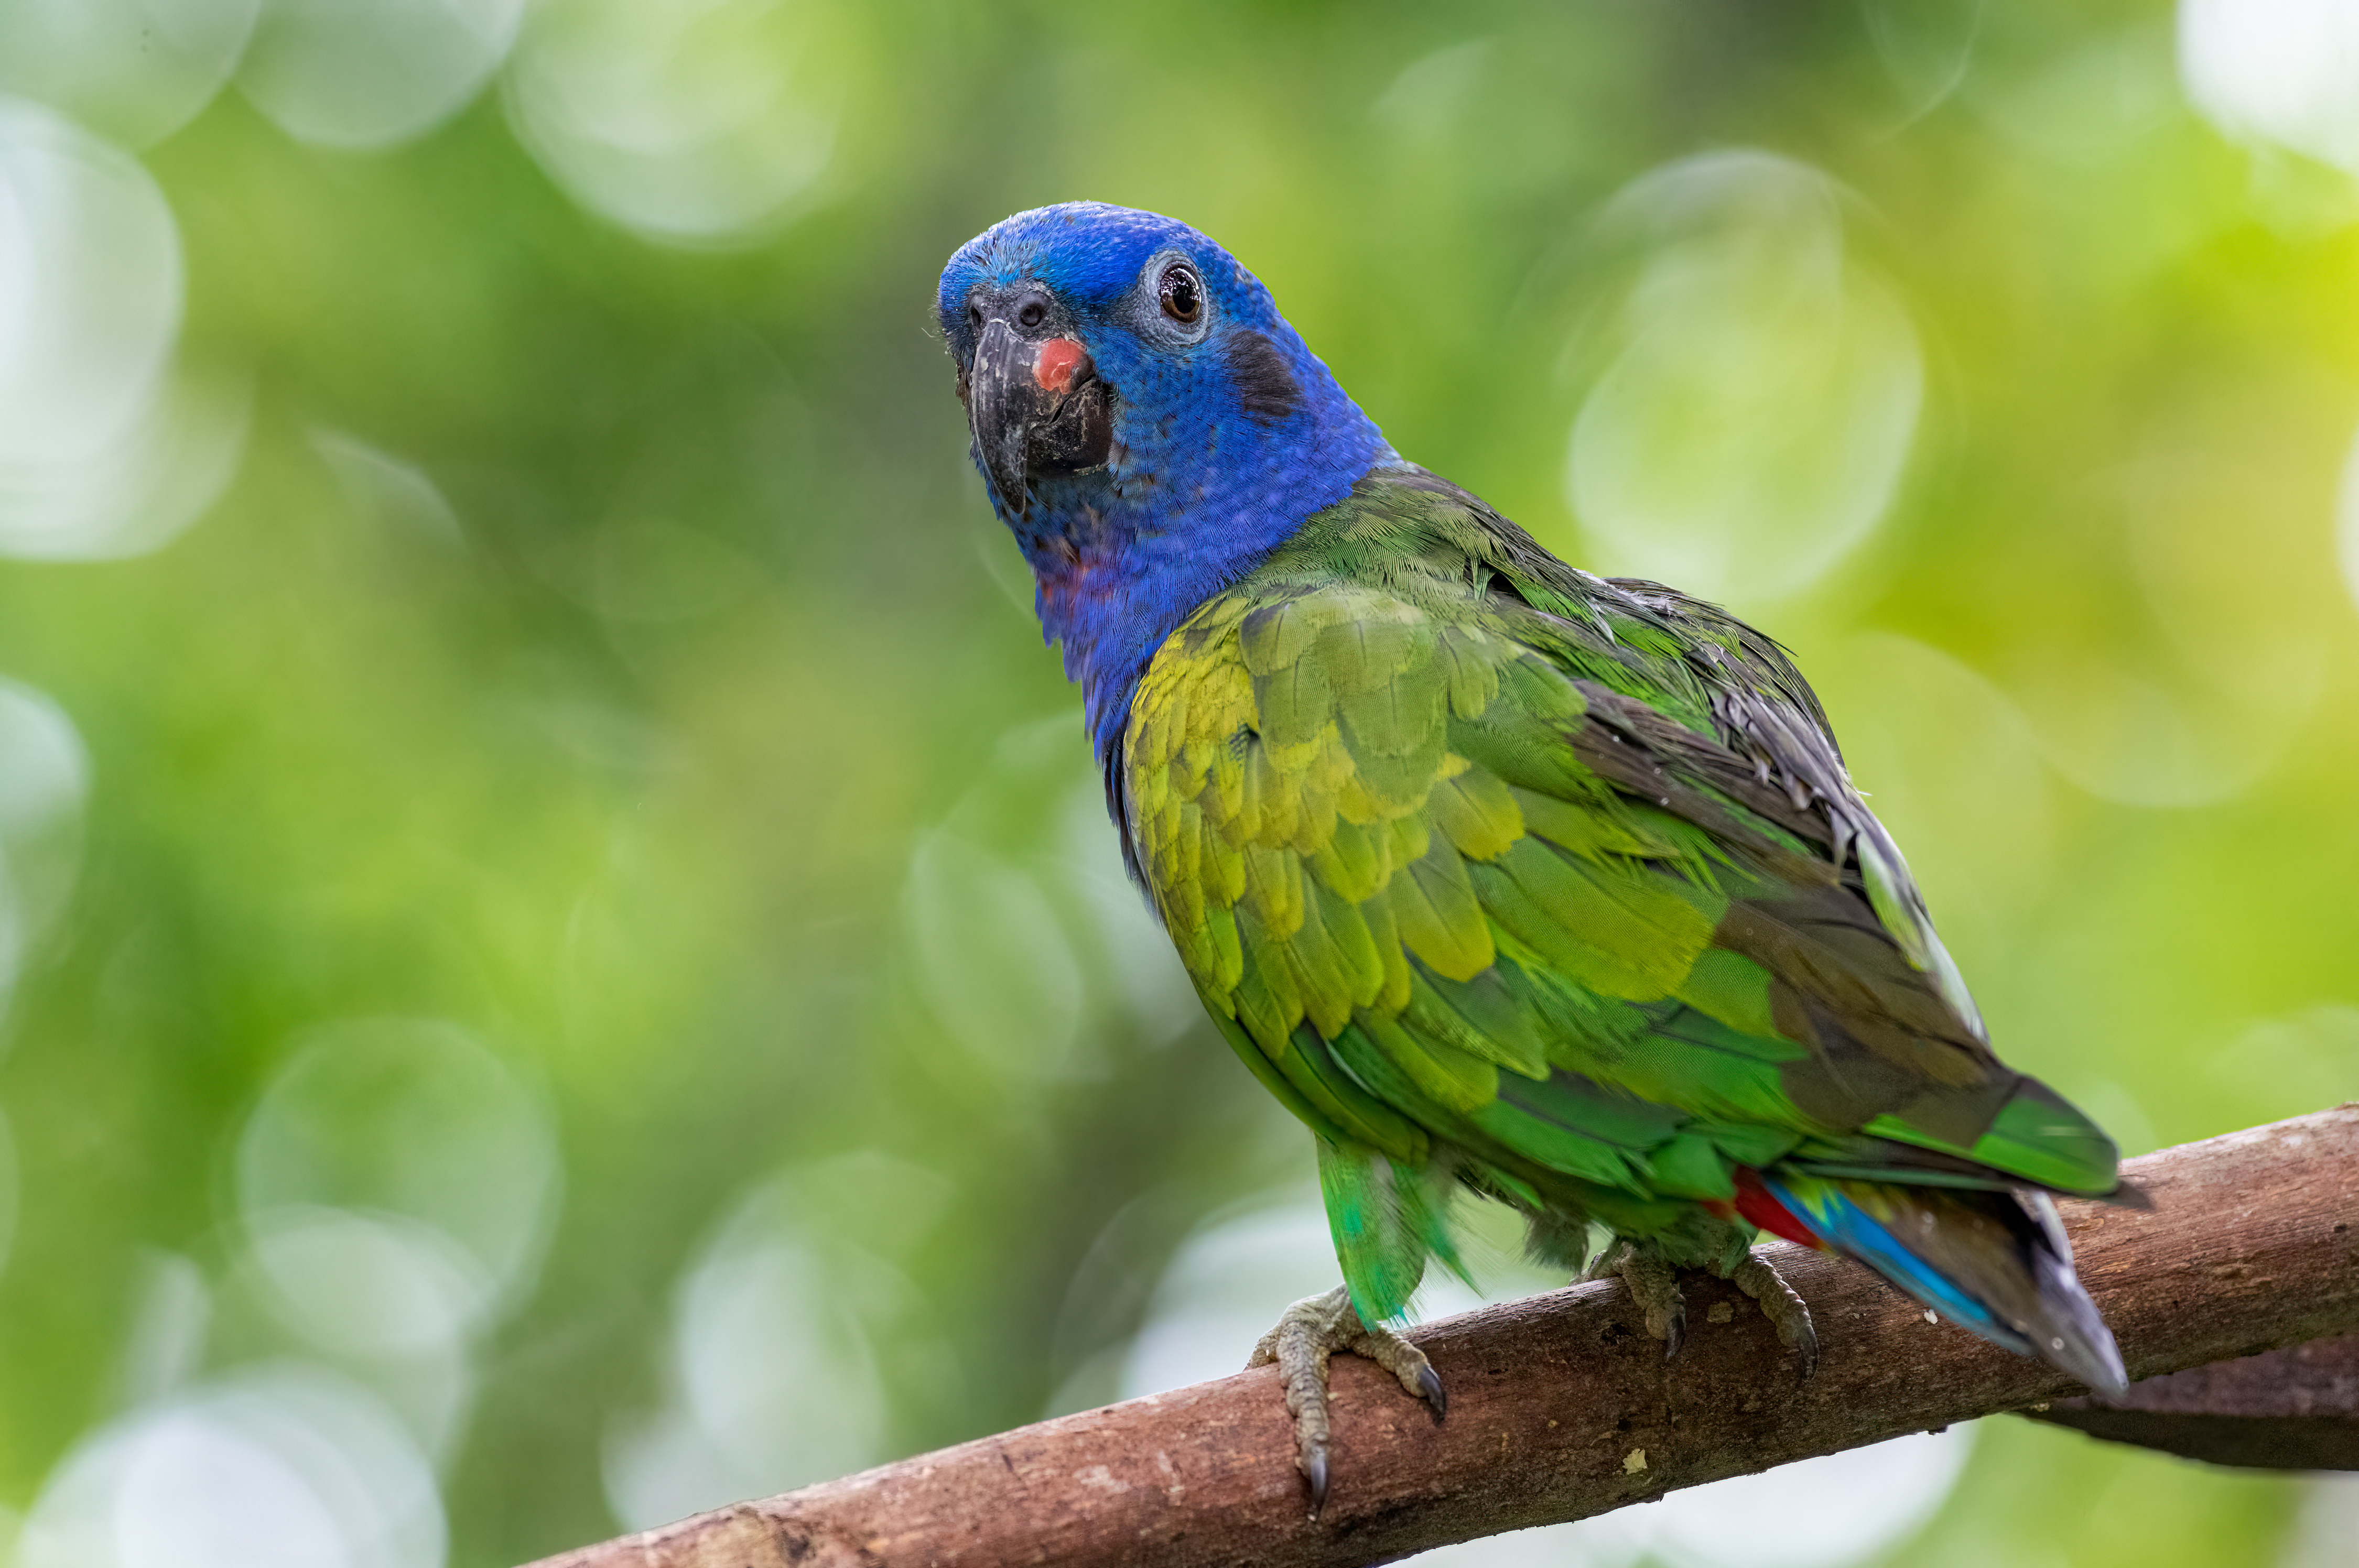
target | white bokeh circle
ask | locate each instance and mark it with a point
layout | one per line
(1753, 424)
(281, 1466)
(373, 73)
(396, 1182)
(700, 121)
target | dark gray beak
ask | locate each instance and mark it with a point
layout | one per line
(1035, 406)
(1001, 409)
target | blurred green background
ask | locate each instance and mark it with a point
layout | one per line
(561, 955)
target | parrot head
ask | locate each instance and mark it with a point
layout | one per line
(1093, 338)
(1146, 422)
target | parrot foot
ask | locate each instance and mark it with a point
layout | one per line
(1653, 1284)
(1307, 1334)
(1786, 1312)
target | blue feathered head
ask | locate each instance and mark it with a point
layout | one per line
(1147, 424)
(1089, 336)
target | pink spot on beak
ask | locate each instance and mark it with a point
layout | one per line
(1059, 358)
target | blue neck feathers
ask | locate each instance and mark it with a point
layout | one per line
(1188, 506)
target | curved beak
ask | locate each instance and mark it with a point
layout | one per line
(1002, 407)
(1036, 408)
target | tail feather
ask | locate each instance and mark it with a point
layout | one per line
(1387, 1219)
(1995, 1263)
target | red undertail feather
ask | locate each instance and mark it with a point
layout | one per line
(1760, 1207)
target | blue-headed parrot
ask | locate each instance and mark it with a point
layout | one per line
(1501, 876)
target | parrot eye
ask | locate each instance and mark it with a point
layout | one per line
(1032, 315)
(1181, 292)
(975, 317)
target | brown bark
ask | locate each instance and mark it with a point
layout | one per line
(1562, 1407)
(2295, 1409)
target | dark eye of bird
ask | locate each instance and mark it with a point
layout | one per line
(1032, 315)
(974, 316)
(1183, 295)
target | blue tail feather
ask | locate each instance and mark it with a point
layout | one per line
(1995, 1264)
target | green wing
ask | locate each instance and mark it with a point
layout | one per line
(1494, 871)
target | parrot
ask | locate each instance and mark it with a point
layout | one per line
(1512, 882)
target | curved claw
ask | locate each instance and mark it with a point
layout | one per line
(1314, 1462)
(1675, 1331)
(1429, 1382)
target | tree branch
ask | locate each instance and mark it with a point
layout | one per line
(1561, 1407)
(2295, 1409)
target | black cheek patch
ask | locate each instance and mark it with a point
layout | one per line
(1266, 388)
